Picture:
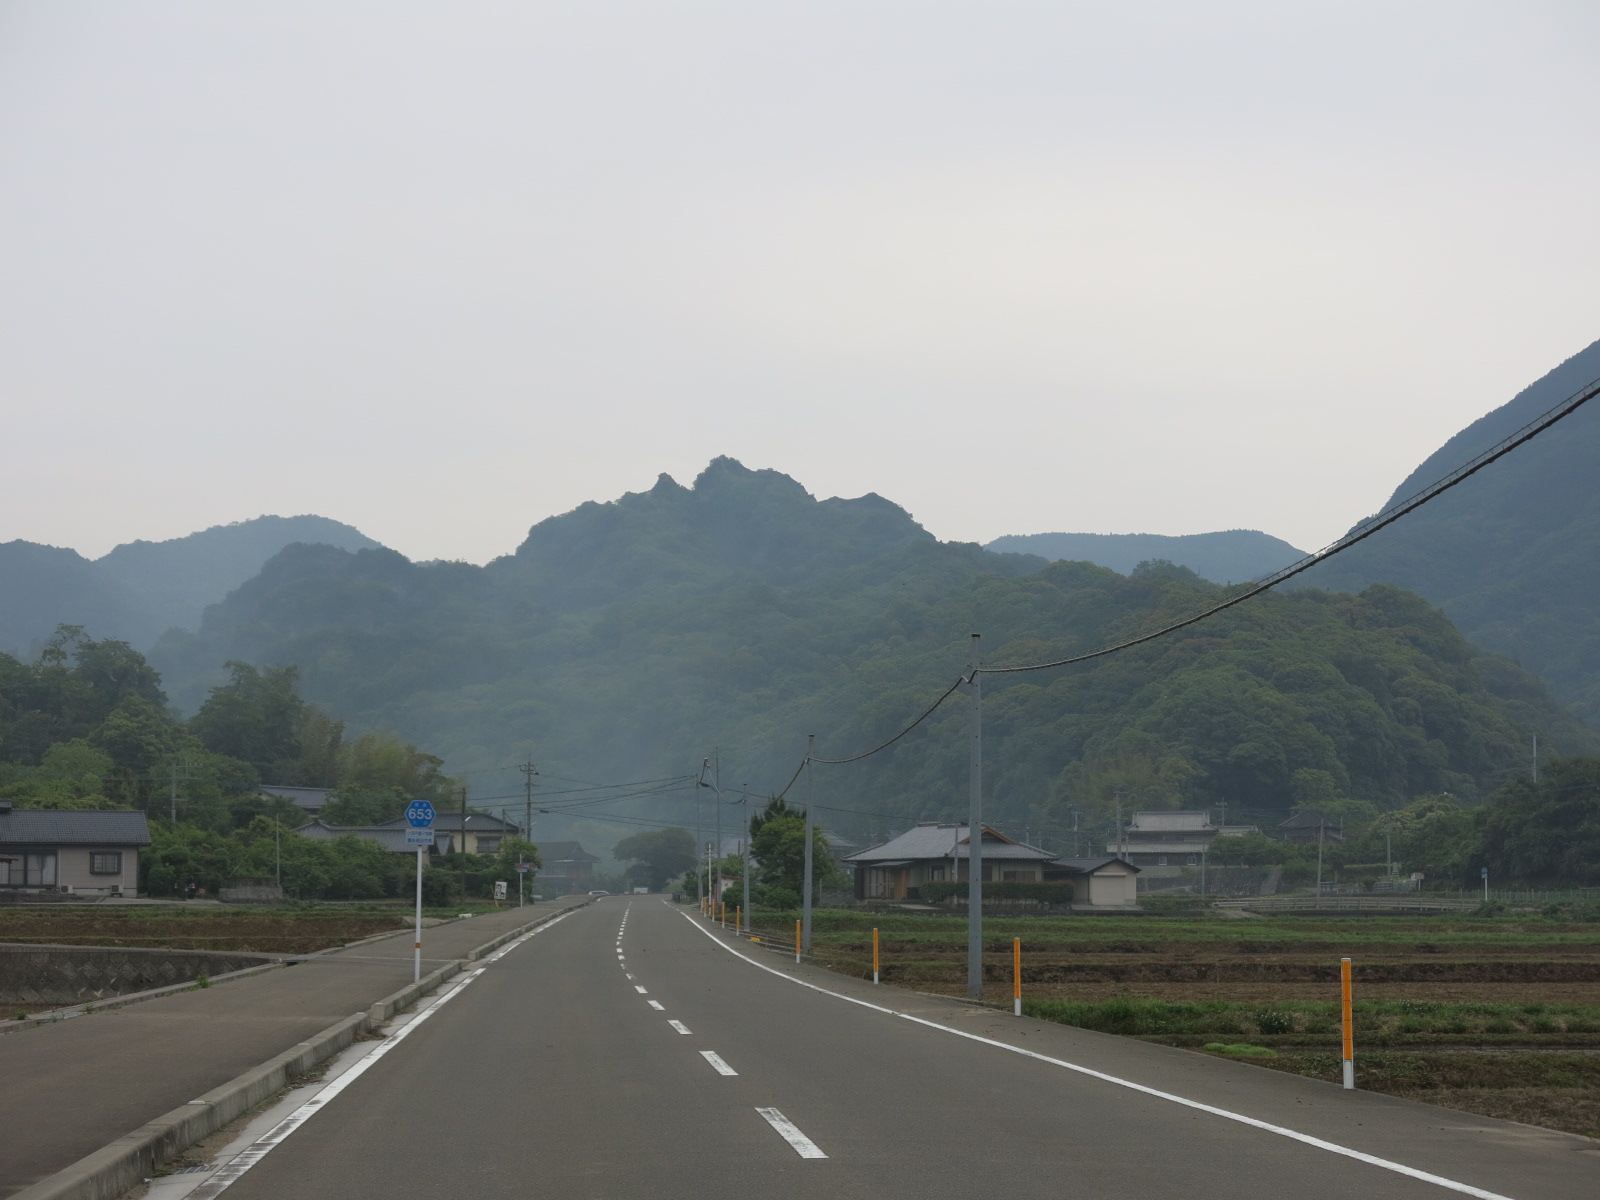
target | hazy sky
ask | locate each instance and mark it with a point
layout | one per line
(444, 269)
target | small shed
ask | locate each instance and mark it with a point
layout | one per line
(1107, 882)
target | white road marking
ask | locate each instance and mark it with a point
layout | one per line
(640, 989)
(657, 1005)
(679, 1026)
(627, 976)
(1281, 1131)
(231, 1172)
(715, 1059)
(790, 1132)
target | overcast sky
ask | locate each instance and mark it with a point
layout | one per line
(443, 269)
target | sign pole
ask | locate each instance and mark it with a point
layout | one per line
(416, 965)
(419, 818)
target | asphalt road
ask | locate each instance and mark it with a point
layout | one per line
(558, 1071)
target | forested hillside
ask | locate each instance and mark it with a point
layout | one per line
(1513, 554)
(627, 640)
(141, 589)
(1228, 556)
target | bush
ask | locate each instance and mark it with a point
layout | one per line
(1270, 1020)
(1048, 893)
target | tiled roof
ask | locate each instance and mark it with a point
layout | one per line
(446, 821)
(554, 852)
(1172, 822)
(386, 836)
(42, 827)
(1090, 865)
(943, 841)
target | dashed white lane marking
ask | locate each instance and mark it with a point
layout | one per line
(231, 1173)
(790, 1132)
(626, 976)
(715, 1059)
(657, 1005)
(638, 987)
(1292, 1134)
(679, 1026)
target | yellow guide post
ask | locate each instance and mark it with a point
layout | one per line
(1349, 1024)
(797, 941)
(874, 954)
(738, 917)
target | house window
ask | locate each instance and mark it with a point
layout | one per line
(935, 874)
(105, 862)
(488, 845)
(1193, 858)
(1016, 877)
(1161, 860)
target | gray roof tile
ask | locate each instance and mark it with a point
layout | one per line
(39, 827)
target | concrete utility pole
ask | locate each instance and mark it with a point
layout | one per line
(744, 853)
(805, 884)
(716, 775)
(527, 807)
(975, 833)
(461, 843)
(1536, 758)
(699, 839)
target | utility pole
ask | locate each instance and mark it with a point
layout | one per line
(174, 816)
(461, 844)
(716, 789)
(1536, 758)
(805, 884)
(975, 832)
(699, 840)
(527, 806)
(1319, 855)
(744, 844)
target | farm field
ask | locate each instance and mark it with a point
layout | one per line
(1493, 1016)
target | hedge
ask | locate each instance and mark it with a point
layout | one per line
(1048, 893)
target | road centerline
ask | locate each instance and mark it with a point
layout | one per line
(790, 1132)
(717, 1062)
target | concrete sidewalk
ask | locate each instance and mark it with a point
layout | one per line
(74, 1086)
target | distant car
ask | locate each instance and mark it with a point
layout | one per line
(599, 892)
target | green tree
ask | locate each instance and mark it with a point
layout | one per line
(657, 856)
(779, 848)
(1547, 832)
(256, 717)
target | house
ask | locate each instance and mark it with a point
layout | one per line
(1097, 882)
(309, 800)
(936, 852)
(565, 869)
(483, 832)
(1165, 839)
(1311, 826)
(65, 851)
(386, 836)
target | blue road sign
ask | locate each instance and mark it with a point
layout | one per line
(419, 814)
(1484, 871)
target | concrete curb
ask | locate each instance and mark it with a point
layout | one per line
(114, 1169)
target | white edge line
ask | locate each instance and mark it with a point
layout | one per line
(790, 1132)
(233, 1170)
(1281, 1131)
(717, 1061)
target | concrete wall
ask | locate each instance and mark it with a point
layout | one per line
(36, 977)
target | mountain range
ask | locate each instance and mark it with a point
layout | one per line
(141, 589)
(1228, 556)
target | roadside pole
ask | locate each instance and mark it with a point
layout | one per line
(1349, 1025)
(1016, 977)
(805, 884)
(419, 833)
(975, 837)
(874, 954)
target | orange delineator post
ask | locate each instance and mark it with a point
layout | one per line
(738, 917)
(724, 914)
(874, 954)
(1349, 1024)
(797, 941)
(1016, 977)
